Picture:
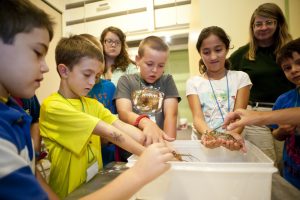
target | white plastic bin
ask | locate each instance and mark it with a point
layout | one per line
(213, 174)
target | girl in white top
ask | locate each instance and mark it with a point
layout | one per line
(217, 91)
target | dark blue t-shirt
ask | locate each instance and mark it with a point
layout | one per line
(104, 93)
(17, 180)
(291, 150)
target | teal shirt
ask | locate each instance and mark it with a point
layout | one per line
(268, 79)
(131, 69)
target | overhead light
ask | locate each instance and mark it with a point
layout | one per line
(168, 39)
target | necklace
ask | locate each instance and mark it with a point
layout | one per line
(215, 97)
(82, 105)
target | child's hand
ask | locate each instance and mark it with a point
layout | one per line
(283, 132)
(210, 142)
(287, 129)
(232, 145)
(154, 134)
(153, 162)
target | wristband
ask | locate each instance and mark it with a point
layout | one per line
(138, 119)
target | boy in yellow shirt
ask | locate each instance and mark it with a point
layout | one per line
(70, 123)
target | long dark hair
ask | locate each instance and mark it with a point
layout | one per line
(205, 33)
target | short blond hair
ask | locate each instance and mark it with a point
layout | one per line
(152, 42)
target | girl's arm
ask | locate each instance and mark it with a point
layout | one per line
(241, 101)
(198, 117)
(170, 116)
(200, 124)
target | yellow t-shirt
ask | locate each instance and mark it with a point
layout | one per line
(66, 126)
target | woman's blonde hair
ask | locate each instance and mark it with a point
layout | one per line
(281, 35)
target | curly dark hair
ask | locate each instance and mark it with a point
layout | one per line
(122, 60)
(287, 51)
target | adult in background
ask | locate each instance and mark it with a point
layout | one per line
(268, 33)
(117, 61)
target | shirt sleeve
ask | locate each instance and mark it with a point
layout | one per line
(171, 89)
(244, 80)
(123, 88)
(190, 87)
(16, 178)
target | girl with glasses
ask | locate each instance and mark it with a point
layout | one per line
(117, 61)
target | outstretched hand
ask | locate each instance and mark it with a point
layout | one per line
(240, 118)
(153, 162)
(154, 134)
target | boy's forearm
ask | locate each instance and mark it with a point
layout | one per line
(127, 116)
(285, 116)
(170, 124)
(130, 130)
(118, 137)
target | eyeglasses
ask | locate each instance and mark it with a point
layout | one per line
(111, 42)
(268, 23)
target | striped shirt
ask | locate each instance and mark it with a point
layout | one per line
(17, 180)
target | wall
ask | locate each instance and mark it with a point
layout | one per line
(51, 80)
(294, 17)
(136, 18)
(178, 66)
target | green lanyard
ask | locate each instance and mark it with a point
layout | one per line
(92, 157)
(82, 105)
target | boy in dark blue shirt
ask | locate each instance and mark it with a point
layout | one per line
(25, 33)
(289, 59)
